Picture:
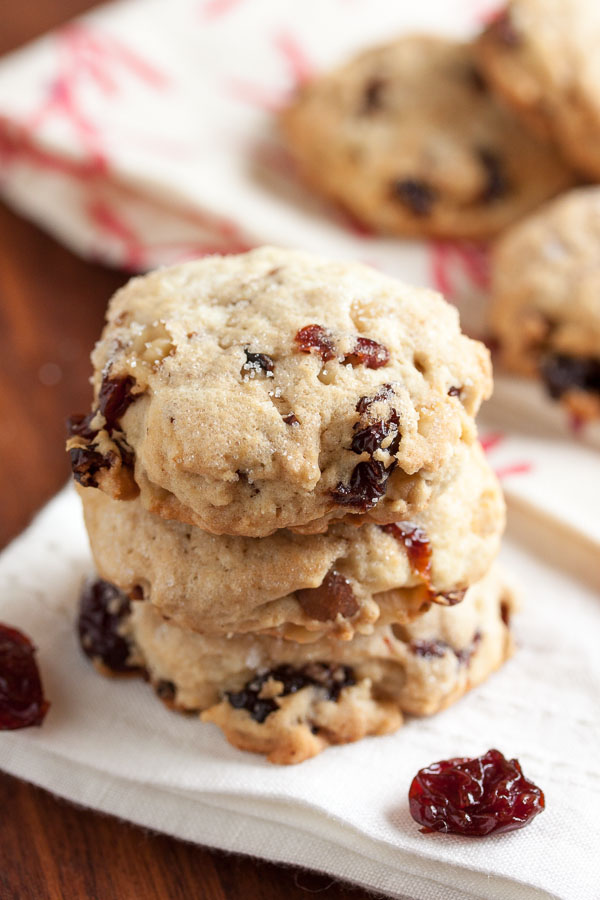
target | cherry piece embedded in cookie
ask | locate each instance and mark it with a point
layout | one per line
(561, 373)
(476, 79)
(368, 353)
(429, 649)
(496, 185)
(368, 481)
(102, 608)
(367, 485)
(316, 338)
(22, 700)
(86, 464)
(329, 678)
(332, 598)
(485, 795)
(385, 392)
(417, 195)
(114, 399)
(380, 435)
(257, 363)
(464, 655)
(418, 549)
(80, 425)
(373, 95)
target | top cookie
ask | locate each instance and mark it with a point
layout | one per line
(276, 389)
(407, 137)
(546, 298)
(542, 57)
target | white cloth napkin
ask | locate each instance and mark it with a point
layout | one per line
(143, 134)
(111, 745)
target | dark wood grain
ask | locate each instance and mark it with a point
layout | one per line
(51, 310)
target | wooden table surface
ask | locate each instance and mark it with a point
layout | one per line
(51, 311)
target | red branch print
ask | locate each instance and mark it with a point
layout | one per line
(272, 99)
(513, 469)
(87, 57)
(448, 257)
(489, 441)
(494, 439)
(215, 9)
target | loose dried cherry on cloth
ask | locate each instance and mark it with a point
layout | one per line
(485, 795)
(102, 607)
(22, 700)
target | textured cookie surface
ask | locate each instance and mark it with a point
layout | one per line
(276, 389)
(546, 299)
(302, 586)
(542, 57)
(291, 700)
(408, 138)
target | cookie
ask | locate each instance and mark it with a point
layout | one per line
(292, 700)
(545, 308)
(302, 586)
(541, 57)
(407, 137)
(275, 389)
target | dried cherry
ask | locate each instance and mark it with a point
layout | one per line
(102, 608)
(368, 480)
(418, 549)
(562, 373)
(366, 487)
(22, 700)
(429, 649)
(114, 399)
(370, 439)
(332, 598)
(85, 465)
(416, 194)
(331, 678)
(368, 353)
(496, 182)
(385, 392)
(373, 95)
(485, 795)
(315, 337)
(257, 362)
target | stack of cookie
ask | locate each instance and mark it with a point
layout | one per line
(286, 498)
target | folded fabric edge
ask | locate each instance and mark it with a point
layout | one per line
(204, 823)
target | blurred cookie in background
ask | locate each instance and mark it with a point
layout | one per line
(546, 299)
(541, 56)
(408, 138)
